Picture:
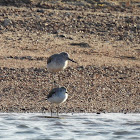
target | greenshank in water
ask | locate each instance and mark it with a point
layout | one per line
(57, 96)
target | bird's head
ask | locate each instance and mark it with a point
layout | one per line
(66, 56)
(63, 89)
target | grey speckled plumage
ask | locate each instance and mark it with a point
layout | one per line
(58, 62)
(57, 96)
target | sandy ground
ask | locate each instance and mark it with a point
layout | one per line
(104, 42)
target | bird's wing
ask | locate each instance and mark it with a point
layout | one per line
(52, 58)
(49, 60)
(51, 93)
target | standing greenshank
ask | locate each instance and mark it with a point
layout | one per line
(57, 96)
(58, 62)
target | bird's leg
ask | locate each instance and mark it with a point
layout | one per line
(58, 79)
(51, 110)
(54, 80)
(57, 110)
(58, 76)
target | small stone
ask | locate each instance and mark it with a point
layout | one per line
(7, 22)
(82, 44)
(98, 113)
(40, 10)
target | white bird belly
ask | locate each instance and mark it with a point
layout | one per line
(55, 67)
(57, 99)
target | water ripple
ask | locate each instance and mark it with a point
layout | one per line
(35, 126)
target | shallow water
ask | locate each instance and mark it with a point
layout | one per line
(37, 126)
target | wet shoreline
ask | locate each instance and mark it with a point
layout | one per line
(78, 126)
(102, 37)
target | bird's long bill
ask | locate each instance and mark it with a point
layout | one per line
(72, 60)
